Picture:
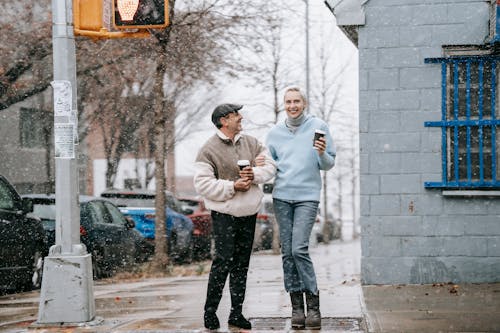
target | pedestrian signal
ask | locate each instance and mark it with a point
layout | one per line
(140, 14)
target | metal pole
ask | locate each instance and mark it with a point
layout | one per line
(67, 295)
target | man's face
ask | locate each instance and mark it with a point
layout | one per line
(232, 122)
(294, 104)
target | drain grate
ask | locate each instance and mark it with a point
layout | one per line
(327, 324)
(272, 324)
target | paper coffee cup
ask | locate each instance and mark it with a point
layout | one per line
(318, 134)
(243, 163)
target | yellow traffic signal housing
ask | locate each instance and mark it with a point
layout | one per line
(88, 15)
(140, 14)
(92, 18)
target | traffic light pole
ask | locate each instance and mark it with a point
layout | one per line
(67, 295)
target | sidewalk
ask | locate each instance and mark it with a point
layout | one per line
(176, 303)
(433, 308)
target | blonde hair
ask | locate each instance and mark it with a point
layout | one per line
(297, 89)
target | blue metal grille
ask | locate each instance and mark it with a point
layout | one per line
(469, 122)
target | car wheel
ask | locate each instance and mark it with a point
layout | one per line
(97, 269)
(208, 249)
(188, 255)
(173, 250)
(36, 278)
(201, 248)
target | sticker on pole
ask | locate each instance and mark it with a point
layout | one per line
(64, 142)
(74, 120)
(62, 98)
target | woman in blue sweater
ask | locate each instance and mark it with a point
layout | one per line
(296, 194)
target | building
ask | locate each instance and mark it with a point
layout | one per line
(26, 129)
(430, 151)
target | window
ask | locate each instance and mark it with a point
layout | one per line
(116, 217)
(469, 122)
(6, 198)
(98, 213)
(32, 128)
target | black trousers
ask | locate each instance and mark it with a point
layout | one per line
(233, 246)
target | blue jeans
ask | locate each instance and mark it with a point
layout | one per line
(296, 219)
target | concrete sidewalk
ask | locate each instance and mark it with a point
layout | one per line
(433, 308)
(175, 304)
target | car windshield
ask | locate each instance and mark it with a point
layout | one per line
(191, 204)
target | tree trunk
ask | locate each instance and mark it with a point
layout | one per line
(111, 168)
(341, 212)
(338, 200)
(170, 143)
(161, 259)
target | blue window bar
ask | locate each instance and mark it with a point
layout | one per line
(469, 121)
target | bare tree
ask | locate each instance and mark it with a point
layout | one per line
(27, 48)
(270, 76)
(212, 24)
(326, 97)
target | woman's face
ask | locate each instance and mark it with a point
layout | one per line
(294, 104)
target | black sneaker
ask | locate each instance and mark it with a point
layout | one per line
(240, 322)
(211, 321)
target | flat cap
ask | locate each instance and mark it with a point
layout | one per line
(223, 110)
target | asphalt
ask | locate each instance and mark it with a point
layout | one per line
(175, 304)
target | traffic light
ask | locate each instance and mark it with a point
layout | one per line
(140, 14)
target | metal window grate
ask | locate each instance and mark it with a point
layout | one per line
(469, 121)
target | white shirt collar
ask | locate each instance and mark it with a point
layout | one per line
(225, 137)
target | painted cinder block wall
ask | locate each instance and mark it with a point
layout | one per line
(411, 234)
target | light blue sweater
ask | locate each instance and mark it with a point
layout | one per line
(298, 163)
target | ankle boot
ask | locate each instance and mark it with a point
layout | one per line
(313, 319)
(238, 320)
(210, 320)
(298, 316)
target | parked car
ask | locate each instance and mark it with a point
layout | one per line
(23, 242)
(140, 206)
(179, 230)
(324, 228)
(317, 231)
(263, 239)
(195, 209)
(107, 234)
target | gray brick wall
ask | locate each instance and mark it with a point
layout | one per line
(410, 234)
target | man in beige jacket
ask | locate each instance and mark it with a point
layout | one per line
(234, 197)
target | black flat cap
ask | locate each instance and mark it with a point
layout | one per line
(222, 111)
